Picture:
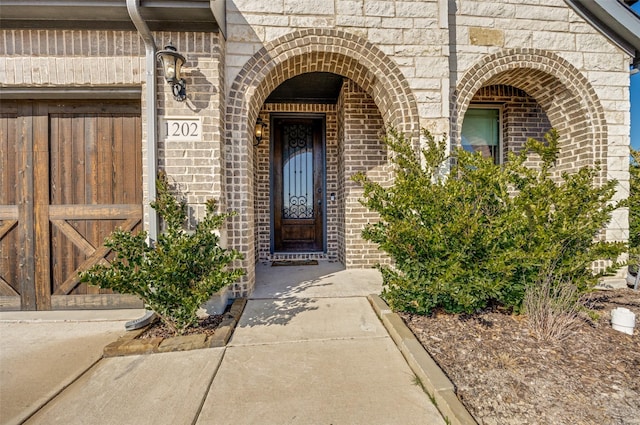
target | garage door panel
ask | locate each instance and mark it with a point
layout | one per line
(9, 238)
(74, 244)
(16, 205)
(101, 165)
(77, 170)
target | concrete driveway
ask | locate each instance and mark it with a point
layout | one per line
(41, 353)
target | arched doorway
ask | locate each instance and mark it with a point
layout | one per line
(363, 66)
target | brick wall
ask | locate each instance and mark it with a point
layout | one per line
(195, 167)
(340, 195)
(361, 128)
(84, 59)
(522, 116)
(353, 129)
(310, 50)
(49, 58)
(262, 186)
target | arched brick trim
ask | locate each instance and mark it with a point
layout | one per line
(302, 51)
(325, 50)
(565, 94)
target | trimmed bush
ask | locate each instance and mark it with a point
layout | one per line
(480, 233)
(177, 275)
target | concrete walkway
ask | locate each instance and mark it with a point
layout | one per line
(308, 350)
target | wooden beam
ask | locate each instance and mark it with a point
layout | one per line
(99, 254)
(75, 237)
(95, 212)
(6, 227)
(9, 303)
(8, 212)
(26, 250)
(6, 289)
(41, 206)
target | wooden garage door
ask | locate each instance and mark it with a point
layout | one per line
(71, 173)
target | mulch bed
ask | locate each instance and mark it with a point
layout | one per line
(504, 375)
(205, 326)
(211, 331)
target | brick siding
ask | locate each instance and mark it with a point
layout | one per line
(406, 64)
(522, 116)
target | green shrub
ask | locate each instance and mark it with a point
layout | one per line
(558, 222)
(177, 275)
(481, 233)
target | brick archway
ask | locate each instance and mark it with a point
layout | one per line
(566, 96)
(310, 50)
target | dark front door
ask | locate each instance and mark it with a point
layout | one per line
(298, 170)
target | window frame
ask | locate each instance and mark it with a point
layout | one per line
(500, 109)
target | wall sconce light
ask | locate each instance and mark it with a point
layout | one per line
(260, 129)
(172, 62)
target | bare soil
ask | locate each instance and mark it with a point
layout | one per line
(504, 375)
(205, 325)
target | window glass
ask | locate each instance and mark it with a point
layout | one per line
(481, 132)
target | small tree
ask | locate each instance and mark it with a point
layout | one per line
(484, 232)
(177, 275)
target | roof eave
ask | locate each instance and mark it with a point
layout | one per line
(615, 20)
(160, 15)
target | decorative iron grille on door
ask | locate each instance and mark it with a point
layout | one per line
(297, 172)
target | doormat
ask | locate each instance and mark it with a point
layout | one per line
(294, 263)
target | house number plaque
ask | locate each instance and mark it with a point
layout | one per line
(182, 129)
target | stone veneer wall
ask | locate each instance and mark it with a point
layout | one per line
(449, 50)
(411, 34)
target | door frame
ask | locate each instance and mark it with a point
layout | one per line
(323, 143)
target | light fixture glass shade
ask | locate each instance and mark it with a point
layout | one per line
(172, 62)
(259, 132)
(169, 71)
